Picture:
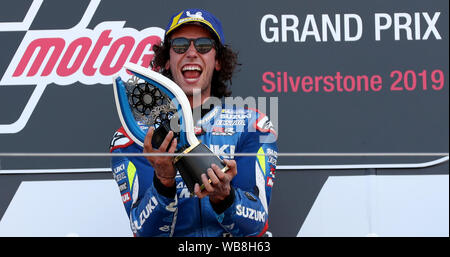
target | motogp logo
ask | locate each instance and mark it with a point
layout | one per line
(78, 54)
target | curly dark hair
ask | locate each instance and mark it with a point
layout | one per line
(227, 59)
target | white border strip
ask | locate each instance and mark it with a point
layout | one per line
(279, 167)
(54, 171)
(363, 166)
(223, 154)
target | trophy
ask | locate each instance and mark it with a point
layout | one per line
(151, 99)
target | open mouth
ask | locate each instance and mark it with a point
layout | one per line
(191, 72)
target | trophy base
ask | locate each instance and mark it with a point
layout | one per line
(191, 167)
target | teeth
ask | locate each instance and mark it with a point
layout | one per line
(190, 68)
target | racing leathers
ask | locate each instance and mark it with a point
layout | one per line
(156, 210)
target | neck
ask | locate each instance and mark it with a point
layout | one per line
(198, 97)
(207, 105)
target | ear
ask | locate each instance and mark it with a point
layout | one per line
(217, 65)
(167, 66)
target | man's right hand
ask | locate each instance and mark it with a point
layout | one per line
(163, 166)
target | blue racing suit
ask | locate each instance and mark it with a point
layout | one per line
(156, 210)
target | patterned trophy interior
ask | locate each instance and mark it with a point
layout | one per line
(150, 106)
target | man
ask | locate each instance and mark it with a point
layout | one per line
(235, 203)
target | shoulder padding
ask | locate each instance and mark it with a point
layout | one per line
(120, 140)
(262, 122)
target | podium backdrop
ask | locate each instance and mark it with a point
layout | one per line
(334, 76)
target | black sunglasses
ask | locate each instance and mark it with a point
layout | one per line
(181, 44)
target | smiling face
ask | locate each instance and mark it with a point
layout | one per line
(192, 70)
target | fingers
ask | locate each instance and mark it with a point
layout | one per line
(218, 172)
(215, 180)
(197, 190)
(212, 176)
(230, 163)
(173, 146)
(148, 147)
(166, 141)
(200, 194)
(216, 175)
(148, 140)
(207, 183)
(232, 169)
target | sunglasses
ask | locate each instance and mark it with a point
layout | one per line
(203, 45)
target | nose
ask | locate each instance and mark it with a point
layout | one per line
(191, 52)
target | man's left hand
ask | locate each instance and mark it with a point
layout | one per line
(220, 185)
